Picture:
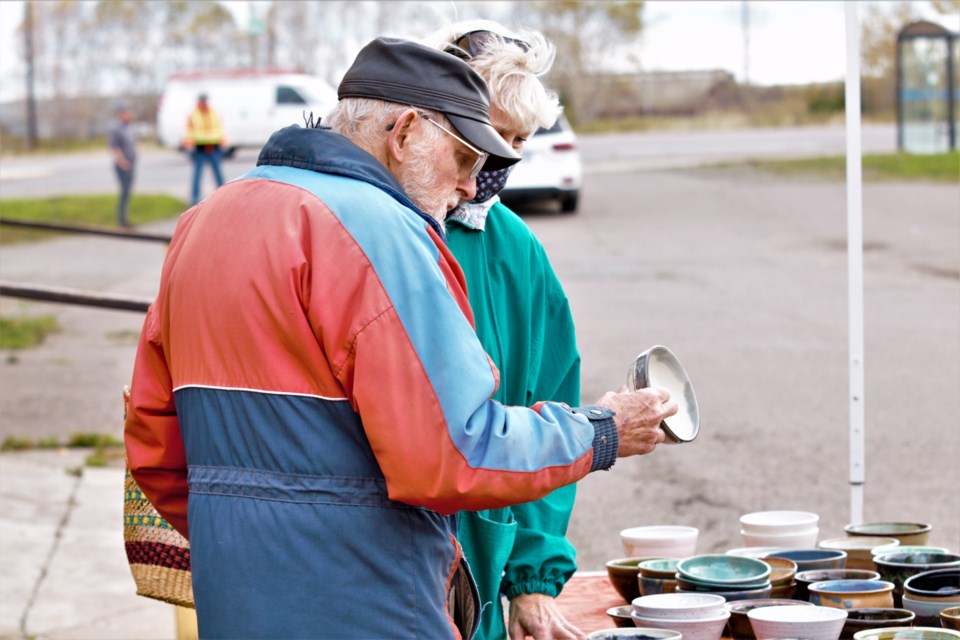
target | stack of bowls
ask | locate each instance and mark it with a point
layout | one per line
(666, 541)
(898, 567)
(733, 577)
(784, 529)
(809, 623)
(739, 623)
(783, 577)
(908, 533)
(860, 549)
(624, 575)
(929, 593)
(806, 578)
(698, 616)
(852, 594)
(658, 576)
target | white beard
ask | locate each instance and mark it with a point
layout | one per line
(417, 176)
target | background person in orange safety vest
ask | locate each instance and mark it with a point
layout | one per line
(205, 139)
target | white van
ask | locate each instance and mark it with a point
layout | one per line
(252, 103)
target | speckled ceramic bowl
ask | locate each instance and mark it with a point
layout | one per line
(809, 623)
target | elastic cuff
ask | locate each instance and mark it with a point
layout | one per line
(551, 589)
(606, 438)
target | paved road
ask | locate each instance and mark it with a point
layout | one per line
(743, 275)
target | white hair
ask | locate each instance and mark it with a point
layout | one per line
(512, 74)
(366, 121)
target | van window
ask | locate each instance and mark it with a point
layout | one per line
(289, 95)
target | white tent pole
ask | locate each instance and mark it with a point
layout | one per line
(855, 264)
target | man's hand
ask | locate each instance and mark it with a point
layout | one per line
(536, 615)
(639, 414)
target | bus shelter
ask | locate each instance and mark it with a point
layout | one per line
(928, 88)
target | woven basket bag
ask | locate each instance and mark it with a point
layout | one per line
(158, 555)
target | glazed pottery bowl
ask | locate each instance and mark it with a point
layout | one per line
(735, 594)
(860, 549)
(693, 584)
(928, 612)
(907, 633)
(909, 548)
(810, 623)
(692, 628)
(679, 606)
(852, 594)
(864, 619)
(803, 539)
(782, 570)
(624, 574)
(778, 522)
(905, 532)
(666, 541)
(754, 552)
(660, 367)
(950, 618)
(654, 586)
(786, 592)
(810, 559)
(899, 567)
(621, 615)
(739, 623)
(806, 578)
(939, 584)
(663, 568)
(631, 631)
(723, 570)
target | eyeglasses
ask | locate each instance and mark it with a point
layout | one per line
(475, 43)
(481, 155)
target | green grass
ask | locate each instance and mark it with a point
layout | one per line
(940, 167)
(26, 331)
(83, 209)
(106, 449)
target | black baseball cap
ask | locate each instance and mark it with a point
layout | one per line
(408, 73)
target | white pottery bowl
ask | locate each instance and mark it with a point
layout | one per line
(693, 629)
(778, 522)
(800, 539)
(679, 606)
(663, 541)
(810, 623)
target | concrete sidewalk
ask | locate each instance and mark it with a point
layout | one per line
(65, 572)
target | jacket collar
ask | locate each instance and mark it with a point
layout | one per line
(325, 151)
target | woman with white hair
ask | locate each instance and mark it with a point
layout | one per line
(523, 320)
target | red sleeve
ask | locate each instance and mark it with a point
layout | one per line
(155, 452)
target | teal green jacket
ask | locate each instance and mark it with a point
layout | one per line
(523, 320)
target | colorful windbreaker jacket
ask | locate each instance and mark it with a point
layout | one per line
(310, 403)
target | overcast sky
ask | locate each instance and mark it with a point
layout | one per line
(790, 41)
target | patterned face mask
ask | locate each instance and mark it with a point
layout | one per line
(490, 183)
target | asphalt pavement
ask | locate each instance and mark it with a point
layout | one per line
(743, 275)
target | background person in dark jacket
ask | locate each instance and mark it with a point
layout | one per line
(123, 147)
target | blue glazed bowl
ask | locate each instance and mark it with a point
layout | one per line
(852, 594)
(724, 570)
(809, 559)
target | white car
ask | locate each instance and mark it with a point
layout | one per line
(550, 169)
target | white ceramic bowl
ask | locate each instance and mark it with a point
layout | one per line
(810, 623)
(679, 606)
(663, 541)
(800, 539)
(778, 522)
(928, 611)
(693, 629)
(634, 632)
(906, 633)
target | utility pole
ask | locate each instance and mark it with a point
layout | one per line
(31, 104)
